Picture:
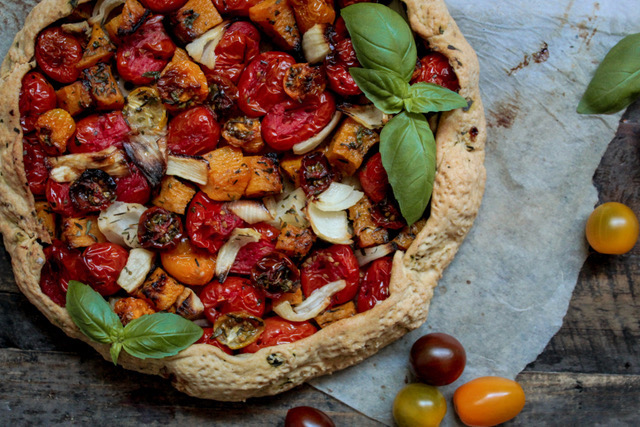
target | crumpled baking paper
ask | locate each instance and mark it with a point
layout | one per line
(507, 290)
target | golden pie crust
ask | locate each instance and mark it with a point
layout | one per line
(205, 371)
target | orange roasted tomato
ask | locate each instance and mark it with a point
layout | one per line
(612, 228)
(189, 264)
(488, 401)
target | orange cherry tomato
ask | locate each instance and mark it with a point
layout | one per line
(612, 228)
(488, 401)
(188, 264)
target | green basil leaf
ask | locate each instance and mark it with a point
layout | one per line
(386, 90)
(616, 83)
(428, 97)
(115, 349)
(408, 151)
(159, 335)
(381, 38)
(92, 314)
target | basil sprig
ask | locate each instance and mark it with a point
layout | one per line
(616, 83)
(385, 47)
(153, 336)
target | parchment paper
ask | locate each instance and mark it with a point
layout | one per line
(506, 292)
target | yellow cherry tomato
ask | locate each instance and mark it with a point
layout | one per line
(189, 264)
(419, 405)
(612, 228)
(488, 401)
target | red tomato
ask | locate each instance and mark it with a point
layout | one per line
(306, 416)
(104, 262)
(57, 194)
(133, 188)
(437, 359)
(339, 32)
(207, 338)
(315, 173)
(386, 214)
(345, 3)
(194, 131)
(280, 331)
(291, 122)
(159, 228)
(93, 191)
(337, 64)
(33, 156)
(57, 53)
(223, 96)
(163, 6)
(142, 55)
(488, 401)
(250, 254)
(324, 266)
(435, 68)
(375, 284)
(63, 264)
(239, 45)
(269, 232)
(99, 131)
(210, 223)
(36, 97)
(260, 86)
(374, 179)
(235, 7)
(234, 295)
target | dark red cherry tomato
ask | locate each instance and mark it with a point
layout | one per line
(250, 254)
(99, 131)
(375, 284)
(62, 265)
(437, 359)
(210, 223)
(159, 228)
(36, 97)
(207, 338)
(163, 6)
(315, 174)
(194, 131)
(324, 266)
(345, 3)
(235, 7)
(306, 416)
(291, 122)
(275, 274)
(386, 214)
(93, 191)
(269, 232)
(223, 96)
(239, 45)
(33, 156)
(280, 331)
(57, 54)
(374, 179)
(57, 194)
(337, 64)
(260, 86)
(133, 188)
(236, 294)
(339, 31)
(104, 262)
(435, 68)
(142, 55)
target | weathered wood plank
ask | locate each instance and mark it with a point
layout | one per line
(7, 280)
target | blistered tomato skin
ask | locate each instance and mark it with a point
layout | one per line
(159, 229)
(36, 97)
(316, 174)
(99, 131)
(374, 179)
(437, 359)
(306, 416)
(33, 156)
(104, 262)
(612, 228)
(236, 294)
(337, 66)
(63, 264)
(93, 191)
(375, 284)
(57, 194)
(133, 188)
(210, 223)
(208, 338)
(435, 68)
(163, 6)
(57, 53)
(324, 266)
(193, 132)
(239, 45)
(280, 331)
(419, 405)
(488, 401)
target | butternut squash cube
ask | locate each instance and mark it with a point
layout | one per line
(265, 177)
(103, 87)
(294, 241)
(194, 19)
(46, 217)
(276, 18)
(174, 195)
(131, 308)
(408, 234)
(229, 174)
(74, 98)
(349, 146)
(99, 48)
(132, 16)
(81, 232)
(366, 230)
(160, 290)
(334, 314)
(290, 166)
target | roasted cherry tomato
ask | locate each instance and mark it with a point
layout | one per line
(260, 86)
(36, 97)
(612, 228)
(345, 3)
(374, 179)
(93, 191)
(33, 156)
(269, 232)
(55, 129)
(306, 416)
(189, 264)
(210, 223)
(62, 265)
(57, 194)
(104, 262)
(237, 330)
(133, 188)
(337, 64)
(386, 214)
(99, 131)
(280, 331)
(57, 53)
(236, 294)
(302, 80)
(327, 265)
(142, 55)
(163, 6)
(223, 96)
(208, 338)
(275, 274)
(193, 132)
(339, 31)
(291, 122)
(435, 68)
(375, 284)
(437, 359)
(239, 45)
(235, 7)
(250, 254)
(315, 174)
(488, 401)
(419, 405)
(159, 229)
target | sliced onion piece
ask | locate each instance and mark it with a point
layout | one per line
(102, 9)
(191, 168)
(82, 28)
(288, 208)
(317, 139)
(148, 152)
(315, 44)
(366, 255)
(332, 227)
(228, 252)
(134, 273)
(250, 211)
(202, 49)
(145, 111)
(317, 302)
(368, 116)
(119, 223)
(69, 167)
(338, 197)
